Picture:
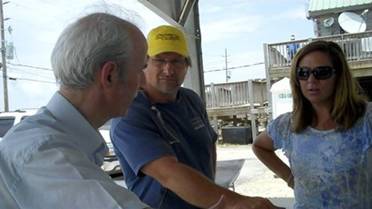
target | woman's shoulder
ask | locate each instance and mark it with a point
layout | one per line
(369, 108)
(368, 114)
(280, 130)
(283, 118)
(281, 124)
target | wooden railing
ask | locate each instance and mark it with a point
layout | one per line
(234, 94)
(357, 47)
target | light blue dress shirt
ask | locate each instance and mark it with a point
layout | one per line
(53, 159)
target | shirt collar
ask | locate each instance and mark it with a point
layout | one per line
(143, 97)
(89, 140)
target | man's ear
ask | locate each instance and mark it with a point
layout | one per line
(106, 73)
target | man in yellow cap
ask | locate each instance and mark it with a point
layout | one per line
(165, 144)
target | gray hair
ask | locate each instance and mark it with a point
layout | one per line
(84, 46)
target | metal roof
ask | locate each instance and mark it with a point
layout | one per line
(318, 7)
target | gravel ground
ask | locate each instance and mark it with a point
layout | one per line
(255, 179)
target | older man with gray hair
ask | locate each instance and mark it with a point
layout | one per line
(52, 159)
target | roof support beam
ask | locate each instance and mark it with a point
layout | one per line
(187, 7)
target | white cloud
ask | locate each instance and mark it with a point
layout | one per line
(248, 57)
(298, 13)
(230, 27)
(212, 9)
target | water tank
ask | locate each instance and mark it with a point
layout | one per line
(237, 135)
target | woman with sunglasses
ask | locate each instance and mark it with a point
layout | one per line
(328, 136)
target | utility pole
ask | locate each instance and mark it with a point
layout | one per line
(3, 59)
(227, 72)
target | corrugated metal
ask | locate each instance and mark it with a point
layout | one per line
(320, 5)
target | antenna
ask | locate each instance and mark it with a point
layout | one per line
(328, 22)
(364, 13)
(352, 22)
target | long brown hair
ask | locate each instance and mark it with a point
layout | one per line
(348, 105)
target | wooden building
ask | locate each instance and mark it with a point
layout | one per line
(249, 102)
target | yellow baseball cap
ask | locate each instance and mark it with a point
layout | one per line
(166, 38)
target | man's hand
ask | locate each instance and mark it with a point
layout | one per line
(245, 203)
(255, 203)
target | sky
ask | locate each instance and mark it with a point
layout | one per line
(242, 27)
(239, 26)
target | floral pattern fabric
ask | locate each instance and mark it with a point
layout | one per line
(332, 169)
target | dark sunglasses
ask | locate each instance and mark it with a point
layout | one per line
(320, 72)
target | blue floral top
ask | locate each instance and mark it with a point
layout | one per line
(332, 169)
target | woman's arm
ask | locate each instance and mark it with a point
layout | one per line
(264, 150)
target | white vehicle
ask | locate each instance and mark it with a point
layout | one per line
(9, 119)
(105, 132)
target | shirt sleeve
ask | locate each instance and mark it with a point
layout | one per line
(279, 131)
(138, 140)
(70, 180)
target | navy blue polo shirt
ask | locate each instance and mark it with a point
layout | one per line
(151, 131)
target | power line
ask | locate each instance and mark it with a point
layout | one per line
(30, 66)
(16, 71)
(28, 79)
(43, 11)
(235, 67)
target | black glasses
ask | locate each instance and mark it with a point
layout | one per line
(178, 63)
(320, 72)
